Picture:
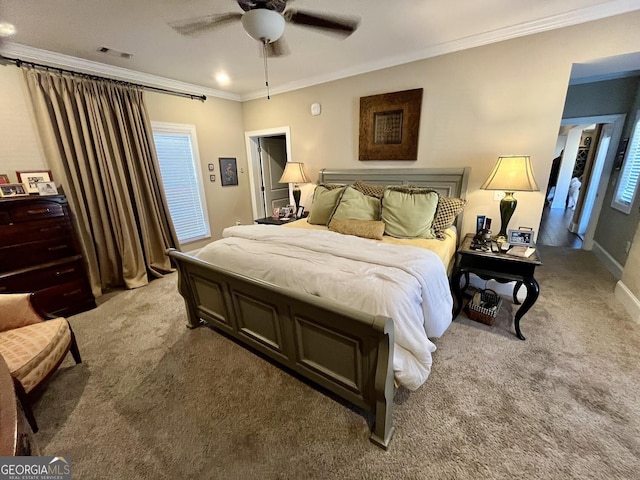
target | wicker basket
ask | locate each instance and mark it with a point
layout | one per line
(484, 306)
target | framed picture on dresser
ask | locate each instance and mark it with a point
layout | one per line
(31, 178)
(13, 190)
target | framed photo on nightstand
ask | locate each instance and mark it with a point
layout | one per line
(521, 236)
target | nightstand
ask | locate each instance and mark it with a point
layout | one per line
(500, 267)
(274, 221)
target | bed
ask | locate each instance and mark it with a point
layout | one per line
(330, 335)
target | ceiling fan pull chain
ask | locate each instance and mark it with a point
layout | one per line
(266, 70)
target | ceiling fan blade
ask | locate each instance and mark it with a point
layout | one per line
(339, 25)
(193, 26)
(275, 5)
(279, 48)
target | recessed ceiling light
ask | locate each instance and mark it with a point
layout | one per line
(6, 29)
(223, 79)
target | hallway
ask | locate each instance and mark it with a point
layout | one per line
(554, 228)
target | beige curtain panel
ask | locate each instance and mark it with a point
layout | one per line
(99, 145)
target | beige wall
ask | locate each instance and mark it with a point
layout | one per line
(480, 103)
(220, 134)
(20, 147)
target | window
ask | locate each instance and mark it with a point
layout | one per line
(628, 180)
(177, 149)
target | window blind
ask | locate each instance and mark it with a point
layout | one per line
(181, 185)
(628, 182)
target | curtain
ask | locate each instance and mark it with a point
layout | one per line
(99, 145)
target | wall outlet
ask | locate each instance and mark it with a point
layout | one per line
(498, 195)
(238, 222)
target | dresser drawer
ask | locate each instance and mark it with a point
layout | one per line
(64, 299)
(36, 210)
(46, 229)
(15, 257)
(37, 278)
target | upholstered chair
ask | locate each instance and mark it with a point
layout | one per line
(32, 346)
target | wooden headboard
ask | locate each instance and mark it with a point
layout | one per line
(448, 182)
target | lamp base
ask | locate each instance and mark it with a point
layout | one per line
(507, 207)
(296, 198)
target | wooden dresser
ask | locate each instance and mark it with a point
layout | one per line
(39, 252)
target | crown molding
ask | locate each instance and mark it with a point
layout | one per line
(24, 52)
(567, 19)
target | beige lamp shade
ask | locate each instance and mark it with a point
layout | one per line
(294, 173)
(512, 174)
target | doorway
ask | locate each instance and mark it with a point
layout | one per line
(267, 153)
(588, 145)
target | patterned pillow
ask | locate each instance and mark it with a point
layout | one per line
(369, 189)
(448, 209)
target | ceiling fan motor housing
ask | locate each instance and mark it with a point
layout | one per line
(263, 25)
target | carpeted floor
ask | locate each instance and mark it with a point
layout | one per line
(154, 400)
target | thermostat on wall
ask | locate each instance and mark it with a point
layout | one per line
(315, 109)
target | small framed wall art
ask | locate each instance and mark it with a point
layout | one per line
(31, 178)
(228, 171)
(4, 178)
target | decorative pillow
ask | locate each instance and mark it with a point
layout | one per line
(324, 203)
(409, 213)
(361, 228)
(357, 206)
(369, 189)
(448, 209)
(331, 186)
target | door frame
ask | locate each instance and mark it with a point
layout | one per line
(253, 158)
(616, 134)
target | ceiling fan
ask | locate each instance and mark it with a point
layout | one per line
(264, 21)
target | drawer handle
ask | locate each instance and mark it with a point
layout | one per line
(38, 211)
(48, 229)
(64, 272)
(57, 247)
(74, 292)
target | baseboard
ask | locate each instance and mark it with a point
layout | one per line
(611, 263)
(629, 301)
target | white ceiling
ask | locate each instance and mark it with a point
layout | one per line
(69, 33)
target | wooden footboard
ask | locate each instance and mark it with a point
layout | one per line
(345, 351)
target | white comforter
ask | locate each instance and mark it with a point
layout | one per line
(407, 284)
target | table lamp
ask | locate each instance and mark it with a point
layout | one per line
(294, 173)
(512, 173)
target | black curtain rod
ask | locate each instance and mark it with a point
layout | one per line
(18, 62)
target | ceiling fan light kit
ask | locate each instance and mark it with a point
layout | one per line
(264, 21)
(263, 25)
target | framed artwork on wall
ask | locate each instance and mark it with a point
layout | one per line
(228, 171)
(31, 178)
(4, 178)
(389, 125)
